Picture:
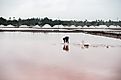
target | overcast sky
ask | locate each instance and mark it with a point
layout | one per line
(62, 9)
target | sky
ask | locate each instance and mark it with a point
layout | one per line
(62, 9)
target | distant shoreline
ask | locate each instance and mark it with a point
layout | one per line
(43, 21)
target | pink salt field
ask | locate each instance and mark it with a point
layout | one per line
(42, 56)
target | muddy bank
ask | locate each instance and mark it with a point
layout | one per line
(106, 34)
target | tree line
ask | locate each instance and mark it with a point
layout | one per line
(42, 21)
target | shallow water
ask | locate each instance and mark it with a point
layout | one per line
(43, 56)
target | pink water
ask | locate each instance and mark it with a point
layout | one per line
(39, 56)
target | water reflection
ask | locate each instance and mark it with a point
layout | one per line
(66, 47)
(84, 45)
